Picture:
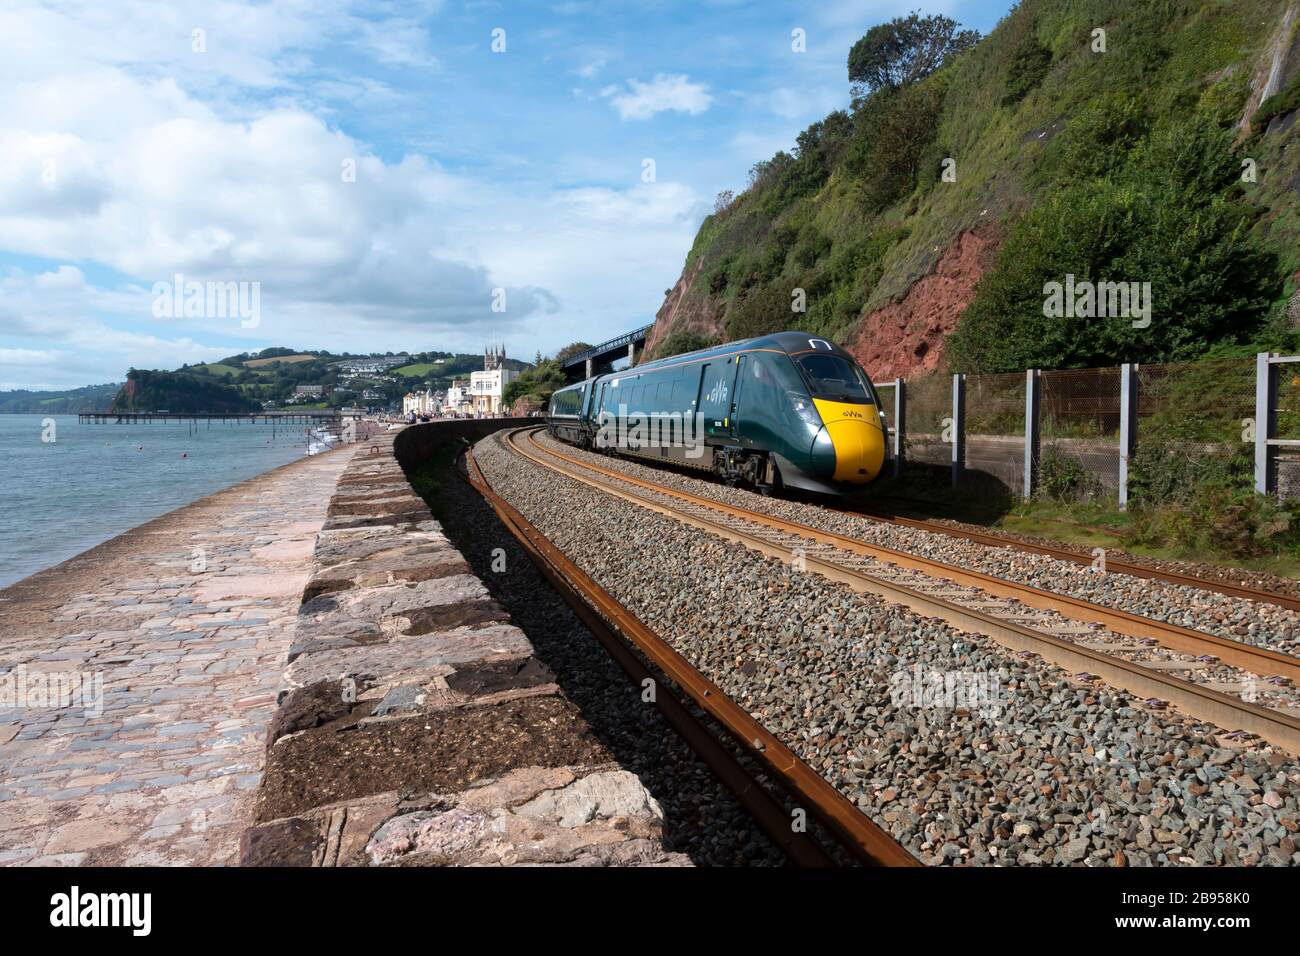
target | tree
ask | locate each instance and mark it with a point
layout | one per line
(904, 50)
(571, 349)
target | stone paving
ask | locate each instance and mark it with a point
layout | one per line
(188, 621)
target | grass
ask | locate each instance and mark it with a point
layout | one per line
(286, 359)
(224, 371)
(419, 369)
(925, 492)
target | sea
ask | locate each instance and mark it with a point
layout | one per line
(66, 487)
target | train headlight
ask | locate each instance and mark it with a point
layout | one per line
(805, 409)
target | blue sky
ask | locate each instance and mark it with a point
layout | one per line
(218, 141)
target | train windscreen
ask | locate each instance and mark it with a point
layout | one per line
(835, 379)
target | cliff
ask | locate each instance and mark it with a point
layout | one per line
(1135, 140)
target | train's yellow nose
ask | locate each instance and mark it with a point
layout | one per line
(859, 443)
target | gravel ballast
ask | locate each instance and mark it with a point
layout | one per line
(1252, 622)
(1039, 769)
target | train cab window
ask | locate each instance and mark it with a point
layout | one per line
(835, 379)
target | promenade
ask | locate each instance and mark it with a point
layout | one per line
(186, 620)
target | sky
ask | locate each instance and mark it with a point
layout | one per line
(380, 176)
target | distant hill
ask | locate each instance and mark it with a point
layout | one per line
(148, 391)
(88, 398)
(249, 379)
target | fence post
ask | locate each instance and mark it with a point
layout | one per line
(1033, 401)
(900, 411)
(1128, 408)
(958, 427)
(1265, 410)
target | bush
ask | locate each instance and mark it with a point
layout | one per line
(1219, 521)
(684, 340)
(1029, 66)
(1169, 217)
(1063, 478)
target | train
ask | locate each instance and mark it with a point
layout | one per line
(781, 411)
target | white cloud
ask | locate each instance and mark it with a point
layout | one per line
(125, 158)
(666, 92)
(28, 357)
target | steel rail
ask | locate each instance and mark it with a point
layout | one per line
(1200, 702)
(1251, 657)
(607, 619)
(1064, 554)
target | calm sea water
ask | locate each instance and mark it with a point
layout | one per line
(95, 481)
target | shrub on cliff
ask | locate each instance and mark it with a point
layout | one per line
(1168, 216)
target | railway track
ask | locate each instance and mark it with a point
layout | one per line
(617, 628)
(1075, 557)
(1059, 628)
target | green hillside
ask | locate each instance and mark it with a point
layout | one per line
(147, 391)
(90, 398)
(1043, 150)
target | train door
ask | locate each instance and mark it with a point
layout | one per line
(717, 388)
(592, 418)
(733, 423)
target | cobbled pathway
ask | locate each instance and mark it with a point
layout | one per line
(187, 621)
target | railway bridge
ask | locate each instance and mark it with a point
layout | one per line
(584, 365)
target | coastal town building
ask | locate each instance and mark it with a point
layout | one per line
(310, 391)
(457, 401)
(488, 386)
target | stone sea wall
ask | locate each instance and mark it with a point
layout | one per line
(415, 724)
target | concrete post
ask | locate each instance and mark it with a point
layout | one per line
(590, 368)
(958, 427)
(1033, 436)
(1265, 412)
(631, 354)
(1128, 420)
(900, 418)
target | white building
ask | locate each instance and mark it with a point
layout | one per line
(486, 389)
(457, 401)
(421, 403)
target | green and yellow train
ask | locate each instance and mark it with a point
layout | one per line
(785, 410)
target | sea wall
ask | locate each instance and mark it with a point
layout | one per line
(415, 722)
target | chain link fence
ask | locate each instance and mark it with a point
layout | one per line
(1196, 423)
(929, 417)
(1079, 430)
(1288, 427)
(995, 427)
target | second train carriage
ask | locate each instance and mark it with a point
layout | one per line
(786, 409)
